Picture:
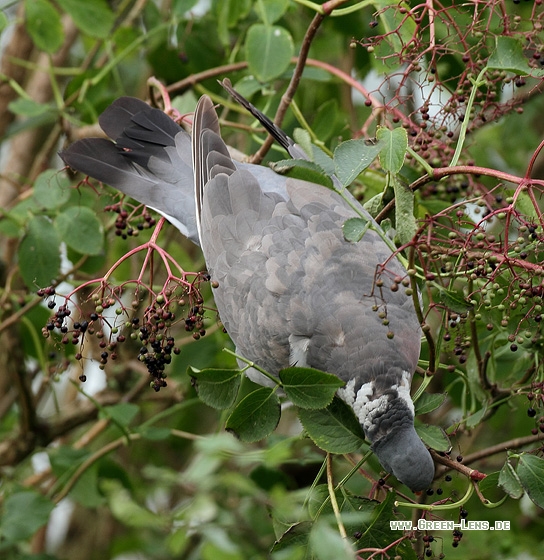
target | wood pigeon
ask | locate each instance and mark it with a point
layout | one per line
(291, 290)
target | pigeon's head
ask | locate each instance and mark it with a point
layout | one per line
(403, 454)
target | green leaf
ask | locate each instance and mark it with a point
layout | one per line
(324, 122)
(126, 510)
(181, 7)
(44, 25)
(217, 388)
(28, 107)
(428, 402)
(271, 11)
(474, 419)
(334, 429)
(295, 538)
(352, 157)
(81, 230)
(302, 169)
(10, 227)
(122, 413)
(357, 511)
(39, 253)
(23, 514)
(378, 534)
(374, 205)
(531, 475)
(434, 437)
(508, 55)
(474, 381)
(247, 86)
(489, 483)
(228, 13)
(93, 17)
(525, 206)
(153, 433)
(326, 543)
(51, 189)
(304, 140)
(65, 459)
(398, 30)
(322, 159)
(269, 49)
(256, 415)
(309, 388)
(451, 299)
(509, 481)
(405, 221)
(86, 491)
(394, 144)
(355, 228)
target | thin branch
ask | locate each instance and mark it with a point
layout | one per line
(193, 79)
(515, 443)
(472, 474)
(287, 97)
(441, 172)
(332, 496)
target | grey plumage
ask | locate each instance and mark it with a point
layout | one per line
(291, 289)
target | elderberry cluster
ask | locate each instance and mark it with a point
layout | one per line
(76, 333)
(427, 540)
(123, 228)
(58, 320)
(152, 330)
(157, 346)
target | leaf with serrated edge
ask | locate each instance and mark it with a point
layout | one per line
(334, 429)
(405, 221)
(303, 169)
(509, 481)
(354, 229)
(508, 55)
(255, 416)
(39, 253)
(269, 49)
(81, 230)
(309, 388)
(352, 157)
(428, 402)
(531, 474)
(327, 544)
(434, 437)
(295, 536)
(51, 189)
(217, 388)
(394, 144)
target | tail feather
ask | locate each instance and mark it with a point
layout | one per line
(208, 150)
(126, 111)
(287, 143)
(151, 161)
(102, 160)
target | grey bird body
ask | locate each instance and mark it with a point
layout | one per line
(291, 290)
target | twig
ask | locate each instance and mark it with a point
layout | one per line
(472, 474)
(194, 79)
(332, 496)
(287, 97)
(515, 443)
(441, 172)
